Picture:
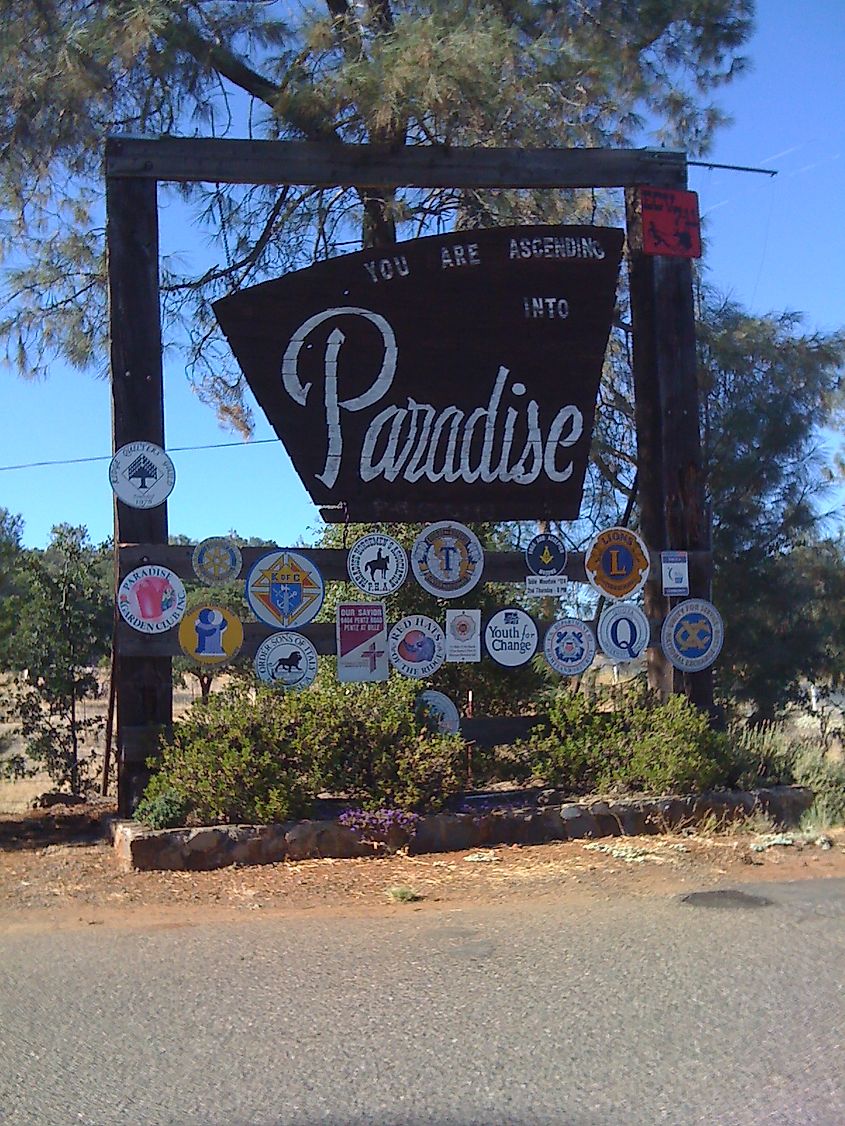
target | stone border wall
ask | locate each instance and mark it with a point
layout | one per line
(143, 849)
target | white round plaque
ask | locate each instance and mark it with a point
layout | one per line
(142, 475)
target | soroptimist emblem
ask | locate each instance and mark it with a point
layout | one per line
(623, 631)
(216, 561)
(511, 637)
(692, 635)
(284, 589)
(142, 475)
(210, 635)
(377, 564)
(447, 559)
(570, 646)
(416, 646)
(546, 555)
(617, 562)
(286, 660)
(441, 711)
(151, 599)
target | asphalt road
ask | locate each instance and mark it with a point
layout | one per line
(625, 1012)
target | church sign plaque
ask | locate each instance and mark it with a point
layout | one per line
(452, 375)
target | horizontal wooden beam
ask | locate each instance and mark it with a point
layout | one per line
(326, 164)
(131, 643)
(499, 566)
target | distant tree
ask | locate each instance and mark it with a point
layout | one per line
(768, 392)
(63, 621)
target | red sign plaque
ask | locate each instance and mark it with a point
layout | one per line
(447, 376)
(671, 225)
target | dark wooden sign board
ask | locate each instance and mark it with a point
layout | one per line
(455, 375)
(671, 494)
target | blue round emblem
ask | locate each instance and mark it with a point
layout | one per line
(546, 555)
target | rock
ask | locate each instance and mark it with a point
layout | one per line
(47, 801)
(578, 822)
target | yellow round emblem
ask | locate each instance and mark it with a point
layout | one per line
(617, 563)
(210, 635)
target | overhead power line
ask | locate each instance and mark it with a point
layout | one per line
(108, 457)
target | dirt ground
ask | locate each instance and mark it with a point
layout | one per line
(55, 875)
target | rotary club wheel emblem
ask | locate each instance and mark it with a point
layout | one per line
(617, 563)
(284, 589)
(216, 561)
(692, 635)
(447, 559)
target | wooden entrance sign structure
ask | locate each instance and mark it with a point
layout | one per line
(670, 474)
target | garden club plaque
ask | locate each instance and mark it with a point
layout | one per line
(456, 373)
(151, 599)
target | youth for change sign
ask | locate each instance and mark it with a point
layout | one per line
(455, 374)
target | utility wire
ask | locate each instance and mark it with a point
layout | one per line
(108, 457)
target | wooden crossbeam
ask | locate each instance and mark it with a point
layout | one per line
(323, 164)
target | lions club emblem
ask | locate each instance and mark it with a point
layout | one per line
(416, 646)
(617, 563)
(284, 589)
(570, 646)
(692, 635)
(447, 559)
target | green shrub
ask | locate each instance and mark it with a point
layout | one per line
(238, 758)
(367, 743)
(625, 740)
(162, 807)
(263, 755)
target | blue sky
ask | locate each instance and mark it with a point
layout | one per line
(773, 243)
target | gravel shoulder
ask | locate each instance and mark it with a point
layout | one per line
(52, 877)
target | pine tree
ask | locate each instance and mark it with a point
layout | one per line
(390, 72)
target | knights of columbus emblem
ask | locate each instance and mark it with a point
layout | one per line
(284, 589)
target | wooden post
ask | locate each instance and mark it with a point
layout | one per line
(672, 501)
(143, 684)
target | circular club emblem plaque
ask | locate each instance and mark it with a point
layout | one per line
(570, 646)
(692, 635)
(142, 475)
(546, 555)
(617, 562)
(416, 646)
(377, 564)
(216, 561)
(285, 589)
(210, 635)
(442, 712)
(151, 599)
(447, 559)
(286, 660)
(511, 637)
(623, 631)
